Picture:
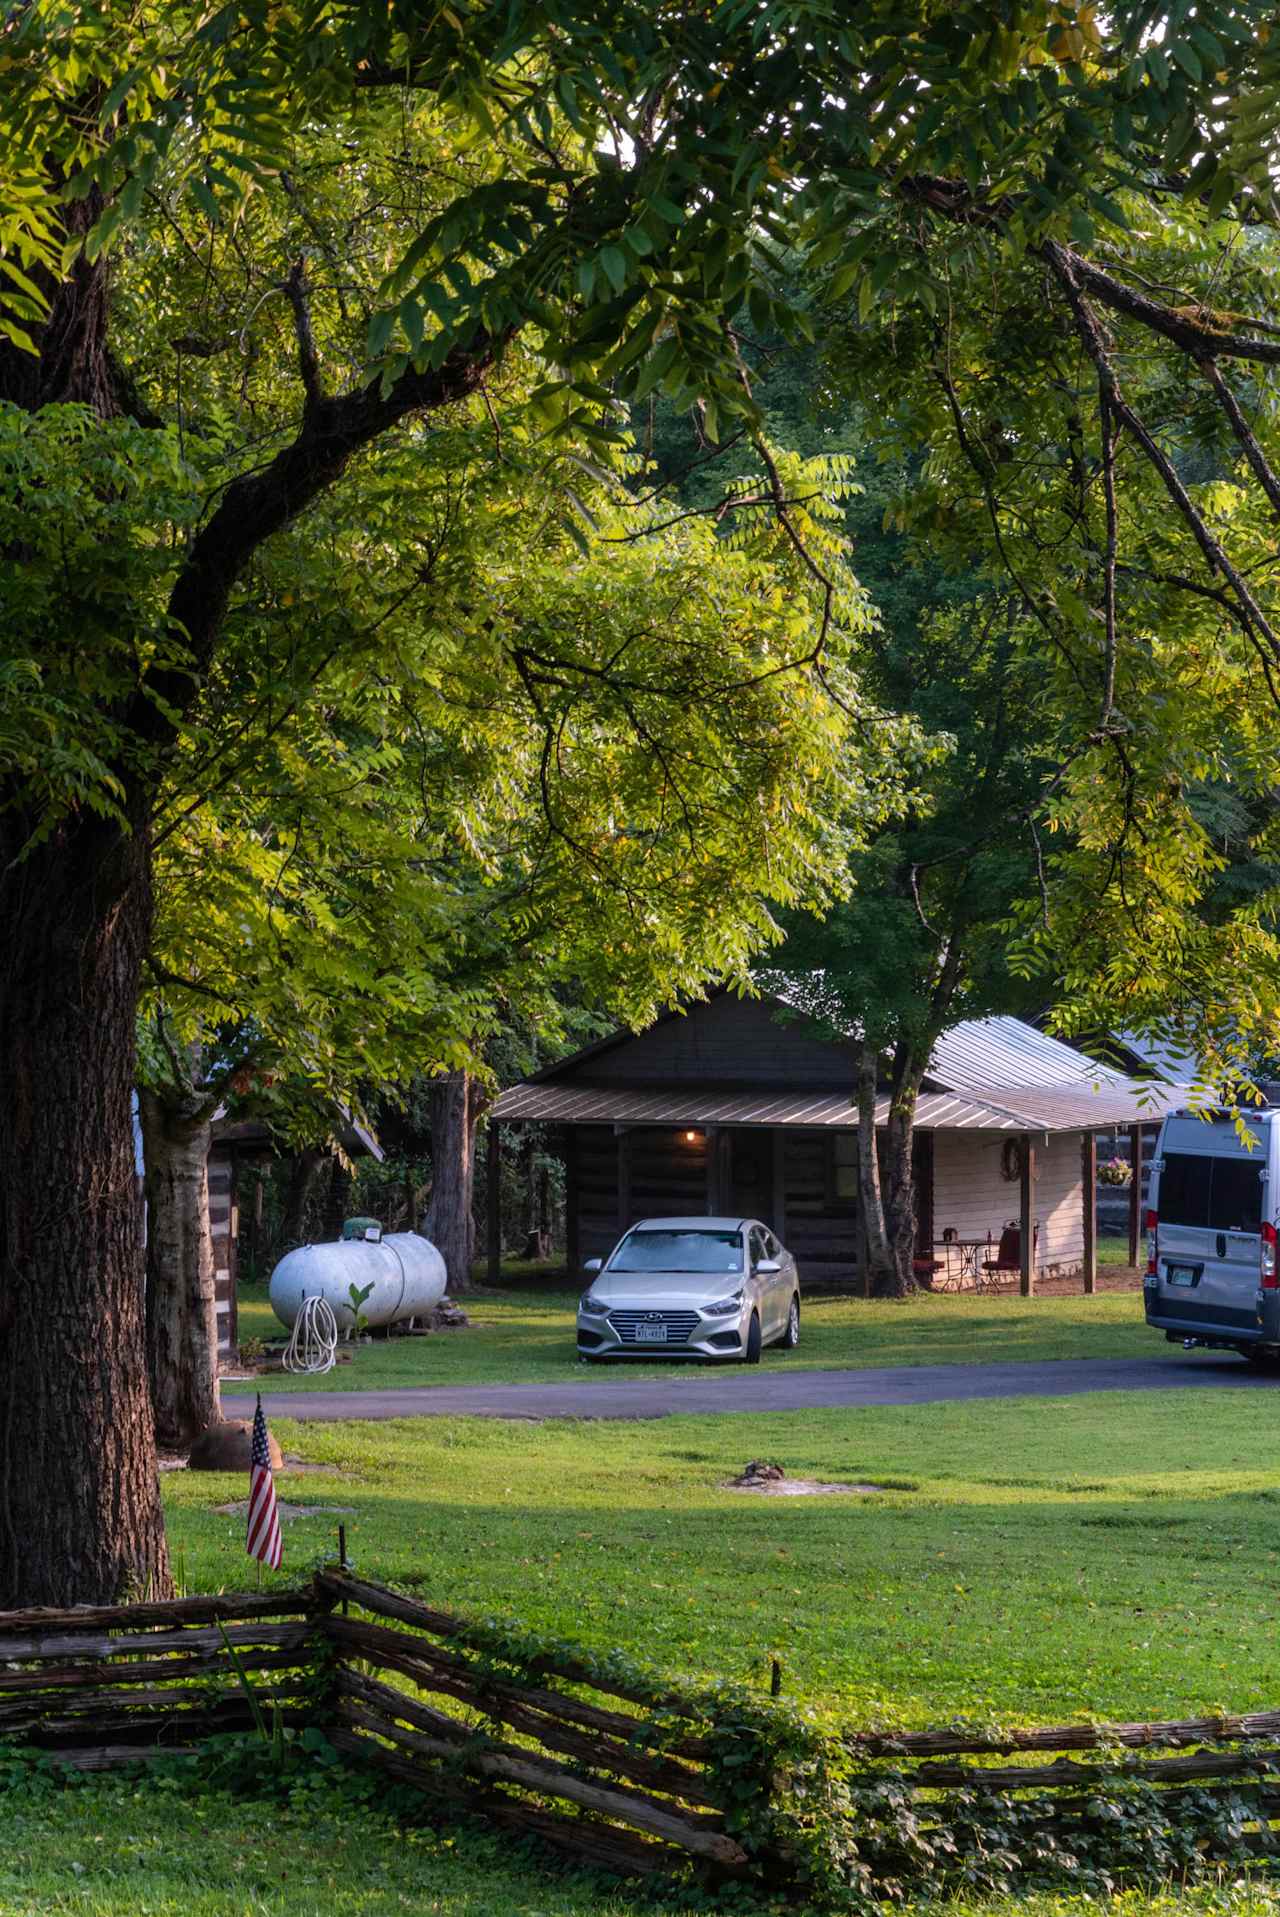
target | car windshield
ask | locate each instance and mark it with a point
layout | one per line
(710, 1251)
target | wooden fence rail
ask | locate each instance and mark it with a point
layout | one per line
(101, 1686)
(636, 1791)
(553, 1743)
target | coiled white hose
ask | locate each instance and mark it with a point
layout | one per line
(313, 1342)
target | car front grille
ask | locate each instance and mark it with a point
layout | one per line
(679, 1325)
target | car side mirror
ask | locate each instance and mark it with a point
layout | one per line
(768, 1266)
(594, 1264)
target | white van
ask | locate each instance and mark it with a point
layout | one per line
(1211, 1234)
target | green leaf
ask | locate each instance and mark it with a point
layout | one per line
(656, 368)
(379, 333)
(614, 262)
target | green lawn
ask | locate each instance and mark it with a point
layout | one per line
(526, 1335)
(120, 1850)
(1112, 1555)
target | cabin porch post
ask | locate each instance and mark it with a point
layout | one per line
(778, 1143)
(1026, 1218)
(572, 1228)
(1135, 1191)
(623, 1137)
(1089, 1180)
(711, 1168)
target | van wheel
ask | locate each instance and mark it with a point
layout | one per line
(791, 1336)
(751, 1356)
(1262, 1357)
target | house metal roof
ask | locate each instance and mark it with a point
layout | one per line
(552, 1103)
(986, 1074)
(1004, 1051)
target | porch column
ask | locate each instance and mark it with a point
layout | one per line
(1135, 1192)
(1089, 1181)
(1027, 1182)
(493, 1206)
(572, 1233)
(711, 1168)
(719, 1173)
(624, 1177)
(778, 1141)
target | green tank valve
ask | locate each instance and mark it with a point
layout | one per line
(369, 1229)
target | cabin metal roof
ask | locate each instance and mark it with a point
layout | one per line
(989, 1074)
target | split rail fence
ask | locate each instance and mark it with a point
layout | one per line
(628, 1776)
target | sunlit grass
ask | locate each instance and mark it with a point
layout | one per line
(1108, 1555)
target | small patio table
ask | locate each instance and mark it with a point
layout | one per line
(962, 1270)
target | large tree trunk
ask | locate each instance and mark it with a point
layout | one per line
(455, 1111)
(881, 1271)
(886, 1189)
(80, 1516)
(898, 1187)
(182, 1312)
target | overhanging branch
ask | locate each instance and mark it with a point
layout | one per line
(260, 504)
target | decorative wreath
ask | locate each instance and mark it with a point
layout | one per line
(1011, 1160)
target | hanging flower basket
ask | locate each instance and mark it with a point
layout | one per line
(1114, 1171)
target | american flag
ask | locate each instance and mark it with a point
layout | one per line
(264, 1521)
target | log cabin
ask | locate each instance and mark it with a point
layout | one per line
(743, 1105)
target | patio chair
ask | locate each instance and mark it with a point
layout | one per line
(1008, 1259)
(926, 1269)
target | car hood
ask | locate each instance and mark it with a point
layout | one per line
(642, 1288)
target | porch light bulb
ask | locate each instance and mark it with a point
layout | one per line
(691, 1138)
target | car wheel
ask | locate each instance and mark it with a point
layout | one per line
(751, 1355)
(791, 1336)
(1262, 1357)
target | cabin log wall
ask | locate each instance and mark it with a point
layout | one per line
(724, 1041)
(670, 1178)
(224, 1226)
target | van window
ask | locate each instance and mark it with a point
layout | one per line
(1217, 1194)
(1236, 1200)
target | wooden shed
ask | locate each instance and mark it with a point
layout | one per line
(235, 1145)
(741, 1105)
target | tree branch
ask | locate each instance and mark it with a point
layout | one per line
(1109, 434)
(1095, 345)
(1194, 328)
(295, 287)
(259, 504)
(1243, 431)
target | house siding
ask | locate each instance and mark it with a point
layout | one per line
(972, 1197)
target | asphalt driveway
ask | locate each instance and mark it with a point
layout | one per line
(699, 1390)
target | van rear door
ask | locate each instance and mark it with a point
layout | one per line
(1209, 1202)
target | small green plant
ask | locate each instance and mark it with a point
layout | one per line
(357, 1294)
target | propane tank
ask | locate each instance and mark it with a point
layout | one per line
(406, 1272)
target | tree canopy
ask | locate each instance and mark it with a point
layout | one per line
(290, 292)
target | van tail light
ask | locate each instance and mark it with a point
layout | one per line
(1153, 1243)
(1268, 1258)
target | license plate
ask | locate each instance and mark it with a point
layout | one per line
(1181, 1275)
(651, 1334)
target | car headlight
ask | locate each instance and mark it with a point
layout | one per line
(724, 1305)
(594, 1307)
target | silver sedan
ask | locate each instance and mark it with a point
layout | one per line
(691, 1288)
